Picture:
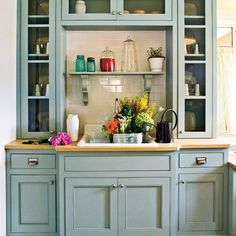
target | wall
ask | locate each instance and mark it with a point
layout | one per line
(7, 91)
(104, 89)
(226, 12)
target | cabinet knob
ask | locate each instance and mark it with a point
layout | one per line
(51, 182)
(114, 186)
(120, 13)
(121, 186)
(182, 182)
(33, 161)
(180, 132)
(113, 13)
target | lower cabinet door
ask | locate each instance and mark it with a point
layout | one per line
(201, 203)
(144, 206)
(33, 204)
(91, 206)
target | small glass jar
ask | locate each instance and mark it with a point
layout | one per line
(80, 7)
(91, 64)
(80, 64)
(107, 61)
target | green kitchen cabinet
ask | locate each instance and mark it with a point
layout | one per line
(203, 193)
(33, 204)
(117, 194)
(232, 201)
(129, 206)
(121, 10)
(31, 193)
(36, 80)
(196, 68)
(91, 207)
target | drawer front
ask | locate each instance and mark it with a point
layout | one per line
(33, 161)
(101, 163)
(201, 160)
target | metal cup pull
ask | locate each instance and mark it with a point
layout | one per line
(201, 160)
(33, 161)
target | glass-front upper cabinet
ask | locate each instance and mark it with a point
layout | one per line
(116, 10)
(37, 83)
(195, 69)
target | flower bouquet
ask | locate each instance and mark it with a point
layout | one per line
(134, 118)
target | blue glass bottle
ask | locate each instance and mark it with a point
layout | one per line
(91, 64)
(80, 64)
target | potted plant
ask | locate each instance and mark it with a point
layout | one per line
(156, 59)
(133, 121)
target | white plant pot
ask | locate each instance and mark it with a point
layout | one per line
(156, 64)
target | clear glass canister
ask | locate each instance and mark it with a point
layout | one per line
(107, 61)
(129, 56)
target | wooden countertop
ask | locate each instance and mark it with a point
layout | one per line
(17, 144)
(176, 145)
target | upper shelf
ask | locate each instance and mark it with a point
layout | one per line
(117, 73)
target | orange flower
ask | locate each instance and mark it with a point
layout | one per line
(112, 126)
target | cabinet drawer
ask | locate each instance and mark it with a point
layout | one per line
(201, 160)
(106, 163)
(33, 161)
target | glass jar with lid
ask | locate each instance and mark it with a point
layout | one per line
(80, 63)
(107, 60)
(91, 64)
(129, 56)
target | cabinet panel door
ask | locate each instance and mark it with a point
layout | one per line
(91, 207)
(144, 206)
(33, 204)
(200, 202)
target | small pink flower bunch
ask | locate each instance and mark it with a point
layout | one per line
(62, 138)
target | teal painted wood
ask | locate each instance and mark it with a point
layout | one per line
(33, 161)
(115, 13)
(213, 159)
(232, 202)
(24, 76)
(144, 206)
(33, 204)
(91, 207)
(201, 203)
(107, 162)
(209, 9)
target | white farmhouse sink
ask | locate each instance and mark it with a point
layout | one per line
(93, 136)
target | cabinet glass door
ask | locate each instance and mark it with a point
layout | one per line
(94, 10)
(195, 90)
(37, 63)
(118, 9)
(144, 10)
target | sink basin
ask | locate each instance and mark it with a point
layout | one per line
(88, 140)
(94, 137)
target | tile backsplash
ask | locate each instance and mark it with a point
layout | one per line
(104, 89)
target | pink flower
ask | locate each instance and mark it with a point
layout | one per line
(62, 138)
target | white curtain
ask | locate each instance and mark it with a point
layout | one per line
(226, 72)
